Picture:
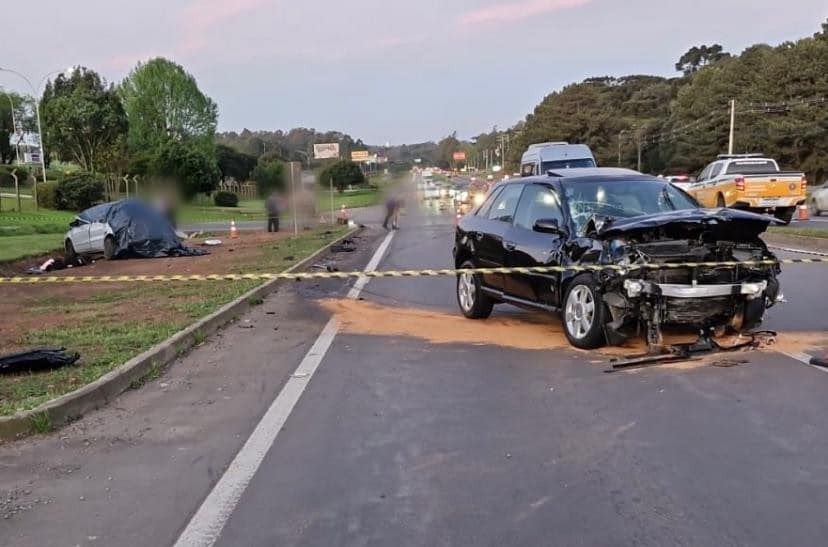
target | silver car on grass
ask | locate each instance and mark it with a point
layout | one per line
(90, 234)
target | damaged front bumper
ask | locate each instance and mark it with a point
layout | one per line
(636, 288)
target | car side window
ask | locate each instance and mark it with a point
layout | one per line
(484, 209)
(717, 168)
(504, 207)
(703, 175)
(538, 202)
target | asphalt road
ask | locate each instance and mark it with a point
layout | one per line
(431, 439)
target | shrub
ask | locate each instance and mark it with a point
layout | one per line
(343, 173)
(226, 199)
(47, 195)
(6, 178)
(269, 176)
(190, 165)
(79, 192)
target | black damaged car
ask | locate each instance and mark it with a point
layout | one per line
(624, 219)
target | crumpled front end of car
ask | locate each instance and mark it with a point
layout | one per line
(710, 273)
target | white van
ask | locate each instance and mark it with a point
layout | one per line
(545, 156)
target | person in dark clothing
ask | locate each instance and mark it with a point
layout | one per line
(392, 213)
(272, 206)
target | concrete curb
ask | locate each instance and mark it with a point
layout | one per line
(102, 391)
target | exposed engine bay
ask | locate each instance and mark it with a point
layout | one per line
(710, 298)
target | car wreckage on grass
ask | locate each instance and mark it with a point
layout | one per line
(124, 229)
(663, 257)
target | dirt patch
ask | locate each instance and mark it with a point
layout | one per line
(531, 331)
(225, 258)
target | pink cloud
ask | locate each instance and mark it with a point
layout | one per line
(515, 11)
(201, 20)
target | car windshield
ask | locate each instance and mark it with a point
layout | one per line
(567, 164)
(622, 199)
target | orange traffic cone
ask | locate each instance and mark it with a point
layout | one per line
(234, 232)
(803, 213)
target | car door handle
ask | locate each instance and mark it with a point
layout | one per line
(510, 245)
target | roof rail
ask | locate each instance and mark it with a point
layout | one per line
(545, 144)
(739, 156)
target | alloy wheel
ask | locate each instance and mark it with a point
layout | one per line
(580, 311)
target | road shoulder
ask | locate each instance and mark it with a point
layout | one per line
(132, 472)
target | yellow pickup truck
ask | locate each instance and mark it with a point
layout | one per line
(752, 182)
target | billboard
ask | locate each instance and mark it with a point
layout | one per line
(326, 151)
(459, 156)
(360, 155)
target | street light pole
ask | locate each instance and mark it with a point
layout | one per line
(39, 129)
(14, 124)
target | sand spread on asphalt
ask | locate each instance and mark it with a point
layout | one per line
(525, 330)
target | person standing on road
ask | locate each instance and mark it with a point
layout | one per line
(272, 206)
(392, 213)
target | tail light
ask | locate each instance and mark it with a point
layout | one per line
(804, 184)
(740, 184)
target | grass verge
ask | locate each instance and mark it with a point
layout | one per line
(801, 232)
(17, 247)
(108, 325)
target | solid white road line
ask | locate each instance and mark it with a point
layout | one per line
(803, 358)
(206, 525)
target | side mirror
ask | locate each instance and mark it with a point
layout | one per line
(548, 226)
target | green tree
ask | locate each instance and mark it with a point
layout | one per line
(233, 163)
(698, 57)
(269, 176)
(188, 165)
(343, 173)
(83, 119)
(7, 152)
(163, 103)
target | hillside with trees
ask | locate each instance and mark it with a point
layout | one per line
(682, 123)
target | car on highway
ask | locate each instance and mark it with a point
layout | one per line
(751, 182)
(543, 156)
(624, 224)
(818, 201)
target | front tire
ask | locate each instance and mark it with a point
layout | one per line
(473, 302)
(785, 214)
(584, 314)
(109, 248)
(69, 254)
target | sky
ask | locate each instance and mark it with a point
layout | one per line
(387, 70)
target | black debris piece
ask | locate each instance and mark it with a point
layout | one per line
(36, 360)
(345, 246)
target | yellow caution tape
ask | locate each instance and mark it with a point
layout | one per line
(302, 276)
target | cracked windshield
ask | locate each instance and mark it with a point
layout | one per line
(469, 272)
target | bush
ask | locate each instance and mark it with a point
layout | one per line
(47, 195)
(269, 176)
(6, 178)
(226, 199)
(193, 168)
(79, 192)
(343, 173)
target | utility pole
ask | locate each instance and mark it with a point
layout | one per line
(732, 126)
(639, 153)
